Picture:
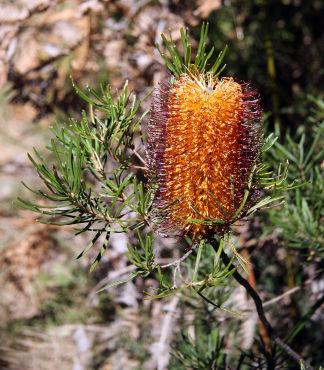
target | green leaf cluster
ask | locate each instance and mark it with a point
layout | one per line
(201, 352)
(82, 152)
(301, 220)
(179, 64)
(94, 182)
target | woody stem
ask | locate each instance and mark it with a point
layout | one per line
(259, 307)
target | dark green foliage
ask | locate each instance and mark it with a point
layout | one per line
(83, 148)
(289, 31)
(183, 64)
(301, 219)
(204, 351)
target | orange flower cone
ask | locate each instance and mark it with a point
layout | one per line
(204, 137)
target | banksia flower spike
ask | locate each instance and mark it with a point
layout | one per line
(204, 140)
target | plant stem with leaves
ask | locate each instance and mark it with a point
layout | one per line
(182, 196)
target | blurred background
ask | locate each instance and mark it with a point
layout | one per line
(50, 316)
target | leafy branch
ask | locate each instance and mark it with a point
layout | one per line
(83, 148)
(95, 185)
(259, 307)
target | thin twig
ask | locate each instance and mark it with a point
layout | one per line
(177, 262)
(259, 307)
(139, 157)
(177, 267)
(110, 152)
(137, 167)
(116, 274)
(175, 276)
(285, 294)
(207, 299)
(252, 281)
(237, 253)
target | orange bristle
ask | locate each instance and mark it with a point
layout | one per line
(203, 139)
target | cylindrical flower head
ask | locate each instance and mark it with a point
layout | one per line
(204, 138)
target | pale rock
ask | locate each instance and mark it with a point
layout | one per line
(112, 53)
(82, 341)
(93, 5)
(11, 13)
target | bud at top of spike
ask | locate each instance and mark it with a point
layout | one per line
(203, 141)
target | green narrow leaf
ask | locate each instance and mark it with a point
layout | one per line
(96, 95)
(133, 261)
(220, 71)
(202, 41)
(130, 277)
(75, 220)
(311, 149)
(185, 45)
(134, 253)
(217, 305)
(200, 249)
(167, 61)
(301, 148)
(219, 60)
(217, 255)
(269, 141)
(263, 203)
(167, 293)
(122, 187)
(218, 203)
(85, 250)
(286, 152)
(27, 205)
(242, 264)
(167, 44)
(177, 58)
(100, 254)
(84, 96)
(238, 211)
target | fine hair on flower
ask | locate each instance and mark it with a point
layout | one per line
(204, 140)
